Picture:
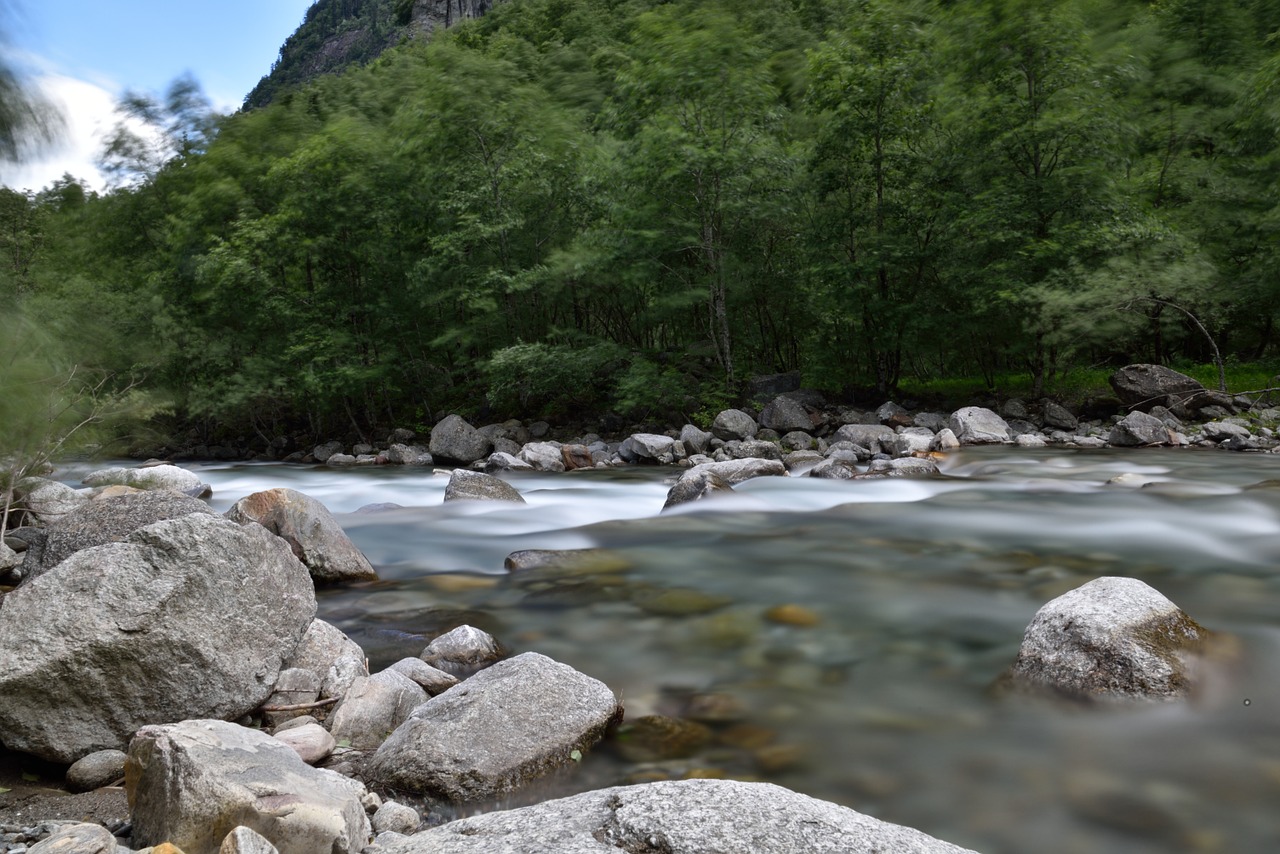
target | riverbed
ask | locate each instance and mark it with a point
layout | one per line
(910, 597)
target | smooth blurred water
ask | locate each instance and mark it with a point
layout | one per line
(923, 589)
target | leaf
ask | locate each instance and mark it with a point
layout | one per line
(576, 756)
(31, 778)
(3, 790)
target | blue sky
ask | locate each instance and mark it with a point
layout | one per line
(84, 54)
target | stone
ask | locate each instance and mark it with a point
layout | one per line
(576, 456)
(834, 469)
(892, 415)
(576, 561)
(734, 424)
(312, 533)
(311, 741)
(108, 520)
(1138, 428)
(902, 467)
(294, 686)
(373, 707)
(976, 425)
(335, 659)
(98, 769)
(543, 456)
(753, 449)
(505, 726)
(1220, 431)
(870, 436)
(911, 440)
(503, 461)
(462, 651)
(151, 477)
(797, 440)
(793, 615)
(48, 500)
(675, 817)
(341, 460)
(1056, 416)
(430, 679)
(465, 485)
(1030, 440)
(76, 839)
(454, 440)
(736, 471)
(695, 441)
(189, 617)
(654, 738)
(649, 448)
(409, 455)
(1141, 387)
(1112, 638)
(246, 840)
(784, 414)
(192, 783)
(945, 441)
(396, 818)
(321, 453)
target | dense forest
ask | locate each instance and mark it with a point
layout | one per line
(573, 207)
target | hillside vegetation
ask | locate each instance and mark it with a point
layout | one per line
(572, 207)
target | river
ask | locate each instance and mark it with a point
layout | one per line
(920, 590)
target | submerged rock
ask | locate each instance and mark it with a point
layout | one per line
(694, 485)
(675, 817)
(498, 730)
(150, 477)
(1113, 638)
(465, 485)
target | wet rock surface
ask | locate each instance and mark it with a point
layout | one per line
(309, 528)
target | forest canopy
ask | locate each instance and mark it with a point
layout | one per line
(572, 207)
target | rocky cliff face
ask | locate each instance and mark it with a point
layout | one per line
(338, 33)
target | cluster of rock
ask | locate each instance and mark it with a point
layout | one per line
(153, 640)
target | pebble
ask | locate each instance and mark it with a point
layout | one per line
(792, 615)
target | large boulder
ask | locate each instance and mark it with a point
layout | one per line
(734, 472)
(675, 817)
(454, 440)
(190, 617)
(336, 660)
(409, 455)
(695, 486)
(192, 783)
(462, 651)
(107, 520)
(149, 477)
(650, 448)
(48, 500)
(466, 485)
(309, 528)
(1113, 638)
(543, 456)
(874, 436)
(976, 425)
(1142, 387)
(734, 424)
(784, 414)
(374, 707)
(495, 732)
(1138, 428)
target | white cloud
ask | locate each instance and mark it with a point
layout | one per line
(88, 112)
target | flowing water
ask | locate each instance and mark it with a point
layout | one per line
(921, 590)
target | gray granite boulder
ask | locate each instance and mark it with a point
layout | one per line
(675, 817)
(502, 461)
(107, 520)
(81, 838)
(373, 707)
(312, 742)
(734, 424)
(650, 448)
(1138, 428)
(976, 425)
(409, 455)
(98, 769)
(245, 840)
(309, 528)
(148, 477)
(736, 471)
(1112, 638)
(834, 469)
(322, 453)
(1141, 387)
(694, 485)
(193, 783)
(1056, 416)
(901, 467)
(507, 725)
(462, 651)
(335, 659)
(911, 440)
(751, 449)
(695, 441)
(48, 500)
(543, 456)
(396, 818)
(466, 485)
(872, 436)
(454, 440)
(784, 414)
(189, 617)
(433, 680)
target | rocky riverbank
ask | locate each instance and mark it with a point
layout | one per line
(151, 640)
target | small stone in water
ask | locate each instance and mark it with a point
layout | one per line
(792, 615)
(656, 737)
(715, 707)
(679, 602)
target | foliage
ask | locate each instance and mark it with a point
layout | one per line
(581, 206)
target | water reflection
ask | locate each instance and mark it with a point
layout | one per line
(921, 591)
